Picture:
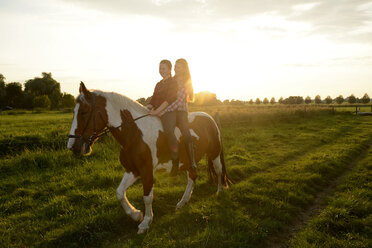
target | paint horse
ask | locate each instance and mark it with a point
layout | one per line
(144, 146)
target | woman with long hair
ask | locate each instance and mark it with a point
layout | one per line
(176, 114)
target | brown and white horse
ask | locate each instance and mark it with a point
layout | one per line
(143, 145)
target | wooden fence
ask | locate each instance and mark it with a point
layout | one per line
(356, 106)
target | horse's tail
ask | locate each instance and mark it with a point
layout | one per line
(225, 180)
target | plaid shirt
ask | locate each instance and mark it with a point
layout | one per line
(180, 104)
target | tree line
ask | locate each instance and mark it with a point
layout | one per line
(39, 92)
(45, 92)
(317, 100)
(208, 98)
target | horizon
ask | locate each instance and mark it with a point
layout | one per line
(238, 50)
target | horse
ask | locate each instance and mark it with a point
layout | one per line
(144, 148)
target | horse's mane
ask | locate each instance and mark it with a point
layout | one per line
(121, 100)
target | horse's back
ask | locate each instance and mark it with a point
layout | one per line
(207, 131)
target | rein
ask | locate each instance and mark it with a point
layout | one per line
(106, 130)
(94, 136)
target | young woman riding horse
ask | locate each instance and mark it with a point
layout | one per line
(175, 112)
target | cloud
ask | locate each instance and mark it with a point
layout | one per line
(338, 61)
(335, 19)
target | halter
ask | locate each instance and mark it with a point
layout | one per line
(94, 136)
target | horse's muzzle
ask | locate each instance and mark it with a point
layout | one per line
(81, 148)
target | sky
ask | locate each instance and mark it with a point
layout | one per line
(238, 49)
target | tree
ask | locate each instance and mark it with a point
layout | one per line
(351, 99)
(265, 101)
(236, 102)
(365, 98)
(293, 100)
(14, 94)
(250, 101)
(307, 100)
(28, 101)
(339, 99)
(205, 98)
(42, 102)
(226, 101)
(328, 100)
(280, 100)
(2, 78)
(2, 91)
(45, 85)
(317, 99)
(272, 101)
(68, 101)
(141, 100)
(258, 101)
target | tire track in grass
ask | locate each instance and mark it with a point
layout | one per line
(304, 151)
(319, 203)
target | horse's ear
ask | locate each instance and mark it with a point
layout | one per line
(84, 90)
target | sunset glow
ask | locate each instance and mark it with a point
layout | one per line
(263, 52)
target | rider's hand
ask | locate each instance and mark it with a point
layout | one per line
(153, 112)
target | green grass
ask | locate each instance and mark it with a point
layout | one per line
(347, 219)
(27, 130)
(278, 159)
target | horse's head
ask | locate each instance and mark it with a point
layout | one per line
(89, 120)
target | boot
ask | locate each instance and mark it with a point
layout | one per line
(190, 154)
(174, 170)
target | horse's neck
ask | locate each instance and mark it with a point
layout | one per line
(114, 116)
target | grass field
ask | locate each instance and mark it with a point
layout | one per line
(281, 160)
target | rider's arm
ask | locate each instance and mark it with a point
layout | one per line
(160, 109)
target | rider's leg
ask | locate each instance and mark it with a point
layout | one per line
(169, 124)
(183, 124)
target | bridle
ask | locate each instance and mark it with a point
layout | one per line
(94, 135)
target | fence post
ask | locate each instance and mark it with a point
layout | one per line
(356, 109)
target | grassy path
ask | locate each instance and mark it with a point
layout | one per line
(317, 206)
(346, 219)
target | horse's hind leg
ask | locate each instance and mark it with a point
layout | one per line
(191, 177)
(121, 193)
(218, 169)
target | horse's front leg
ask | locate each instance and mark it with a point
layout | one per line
(121, 193)
(191, 177)
(148, 183)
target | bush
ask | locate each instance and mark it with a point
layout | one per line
(294, 100)
(42, 102)
(68, 101)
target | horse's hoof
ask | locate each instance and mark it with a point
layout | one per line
(141, 231)
(180, 205)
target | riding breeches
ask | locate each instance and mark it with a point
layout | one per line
(170, 120)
